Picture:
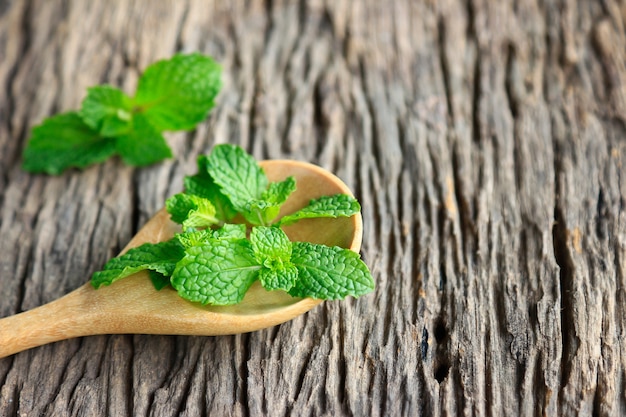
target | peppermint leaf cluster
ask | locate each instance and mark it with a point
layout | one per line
(173, 94)
(215, 261)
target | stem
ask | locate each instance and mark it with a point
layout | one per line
(260, 217)
(71, 316)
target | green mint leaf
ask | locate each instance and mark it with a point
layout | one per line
(271, 200)
(270, 243)
(329, 273)
(202, 185)
(339, 205)
(278, 192)
(282, 277)
(243, 181)
(230, 231)
(143, 145)
(272, 249)
(194, 238)
(260, 212)
(159, 280)
(177, 94)
(107, 110)
(179, 205)
(238, 175)
(64, 141)
(202, 216)
(203, 237)
(218, 273)
(160, 257)
(191, 211)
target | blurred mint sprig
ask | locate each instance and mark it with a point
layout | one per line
(173, 94)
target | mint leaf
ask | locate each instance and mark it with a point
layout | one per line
(65, 141)
(244, 183)
(260, 212)
(203, 237)
(191, 211)
(202, 185)
(329, 272)
(179, 205)
(272, 249)
(159, 280)
(238, 175)
(268, 206)
(230, 231)
(269, 244)
(281, 277)
(278, 192)
(218, 273)
(160, 257)
(202, 216)
(194, 238)
(107, 110)
(143, 145)
(339, 205)
(177, 94)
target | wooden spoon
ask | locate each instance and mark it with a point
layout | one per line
(132, 305)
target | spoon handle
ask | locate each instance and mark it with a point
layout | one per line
(64, 318)
(84, 311)
(129, 306)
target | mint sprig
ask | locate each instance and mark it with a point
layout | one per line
(215, 262)
(173, 94)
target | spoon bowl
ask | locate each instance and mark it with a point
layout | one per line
(132, 305)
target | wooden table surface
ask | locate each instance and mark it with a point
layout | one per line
(486, 141)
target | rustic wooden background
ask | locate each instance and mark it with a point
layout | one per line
(485, 139)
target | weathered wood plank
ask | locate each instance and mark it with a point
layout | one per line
(484, 139)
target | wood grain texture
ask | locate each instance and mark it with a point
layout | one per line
(485, 140)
